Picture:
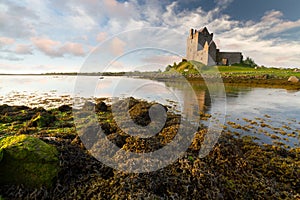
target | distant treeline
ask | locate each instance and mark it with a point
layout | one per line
(135, 73)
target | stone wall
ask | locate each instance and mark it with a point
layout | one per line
(230, 57)
(199, 49)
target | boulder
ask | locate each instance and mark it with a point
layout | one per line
(27, 160)
(101, 107)
(64, 108)
(293, 79)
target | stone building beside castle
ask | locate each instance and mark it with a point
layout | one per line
(202, 48)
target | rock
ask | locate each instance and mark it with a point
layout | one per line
(101, 107)
(296, 70)
(88, 106)
(27, 160)
(293, 79)
(265, 76)
(64, 108)
(42, 119)
(140, 113)
(7, 109)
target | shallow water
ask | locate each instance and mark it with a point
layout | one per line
(262, 112)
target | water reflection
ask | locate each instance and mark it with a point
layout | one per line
(261, 112)
(186, 93)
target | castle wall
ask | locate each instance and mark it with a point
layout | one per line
(195, 48)
(212, 52)
(192, 45)
(231, 57)
(202, 57)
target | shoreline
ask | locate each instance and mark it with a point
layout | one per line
(263, 81)
(279, 83)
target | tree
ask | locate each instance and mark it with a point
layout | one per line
(250, 62)
(168, 68)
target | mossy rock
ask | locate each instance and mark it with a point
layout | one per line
(42, 119)
(27, 160)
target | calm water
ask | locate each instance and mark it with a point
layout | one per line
(264, 112)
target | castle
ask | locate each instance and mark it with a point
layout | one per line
(202, 48)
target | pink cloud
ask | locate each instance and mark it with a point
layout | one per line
(56, 49)
(6, 41)
(118, 9)
(117, 46)
(101, 36)
(23, 49)
(47, 46)
(73, 48)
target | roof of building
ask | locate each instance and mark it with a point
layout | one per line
(203, 29)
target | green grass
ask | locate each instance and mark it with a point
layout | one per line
(244, 70)
(187, 68)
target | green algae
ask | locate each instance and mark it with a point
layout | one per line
(237, 168)
(27, 160)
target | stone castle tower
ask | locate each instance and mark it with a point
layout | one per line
(202, 48)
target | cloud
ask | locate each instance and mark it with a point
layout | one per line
(56, 49)
(223, 3)
(23, 49)
(117, 46)
(10, 57)
(116, 9)
(15, 20)
(272, 16)
(6, 41)
(101, 36)
(10, 50)
(72, 48)
(47, 46)
(164, 60)
(75, 26)
(257, 39)
(81, 19)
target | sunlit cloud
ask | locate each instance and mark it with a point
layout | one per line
(6, 41)
(117, 46)
(45, 31)
(23, 49)
(101, 36)
(56, 49)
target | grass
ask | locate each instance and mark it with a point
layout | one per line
(245, 70)
(188, 68)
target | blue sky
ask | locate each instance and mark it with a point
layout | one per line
(58, 36)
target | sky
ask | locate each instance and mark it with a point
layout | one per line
(40, 36)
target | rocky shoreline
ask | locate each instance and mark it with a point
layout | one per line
(264, 81)
(236, 79)
(237, 167)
